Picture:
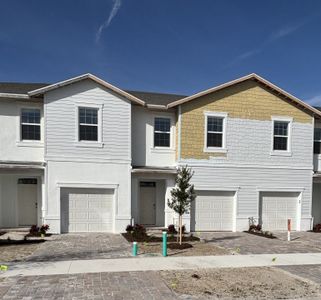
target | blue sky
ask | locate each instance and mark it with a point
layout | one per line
(175, 46)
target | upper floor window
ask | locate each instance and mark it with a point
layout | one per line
(317, 140)
(88, 124)
(162, 132)
(214, 132)
(281, 135)
(30, 124)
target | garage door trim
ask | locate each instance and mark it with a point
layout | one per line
(298, 190)
(227, 189)
(104, 186)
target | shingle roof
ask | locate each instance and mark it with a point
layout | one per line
(19, 87)
(149, 98)
(156, 98)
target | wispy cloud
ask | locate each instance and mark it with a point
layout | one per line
(315, 100)
(279, 34)
(106, 23)
(283, 32)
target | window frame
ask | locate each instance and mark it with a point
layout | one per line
(221, 115)
(288, 151)
(84, 143)
(314, 140)
(29, 143)
(168, 132)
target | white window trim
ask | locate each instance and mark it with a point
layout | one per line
(171, 147)
(89, 144)
(29, 143)
(287, 152)
(223, 115)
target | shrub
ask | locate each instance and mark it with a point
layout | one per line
(255, 228)
(317, 228)
(171, 229)
(129, 228)
(44, 228)
(139, 230)
(34, 229)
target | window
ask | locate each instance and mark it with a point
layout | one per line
(317, 141)
(30, 124)
(280, 135)
(88, 124)
(214, 132)
(162, 132)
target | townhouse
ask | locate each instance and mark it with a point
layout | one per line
(85, 156)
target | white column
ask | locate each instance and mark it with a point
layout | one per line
(43, 197)
(169, 213)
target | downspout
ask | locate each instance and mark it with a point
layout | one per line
(179, 133)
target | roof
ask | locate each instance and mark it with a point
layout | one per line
(147, 97)
(42, 90)
(19, 87)
(254, 77)
(156, 98)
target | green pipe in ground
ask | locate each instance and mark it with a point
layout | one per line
(135, 248)
(164, 243)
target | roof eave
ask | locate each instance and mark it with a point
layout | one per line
(107, 85)
(252, 76)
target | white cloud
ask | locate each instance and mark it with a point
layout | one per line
(279, 34)
(283, 32)
(316, 100)
(106, 23)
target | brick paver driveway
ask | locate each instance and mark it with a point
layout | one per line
(245, 243)
(129, 285)
(82, 246)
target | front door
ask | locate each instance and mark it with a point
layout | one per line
(147, 203)
(27, 201)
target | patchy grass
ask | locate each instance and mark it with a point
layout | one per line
(248, 283)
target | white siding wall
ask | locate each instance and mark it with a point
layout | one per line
(143, 151)
(86, 167)
(61, 128)
(11, 149)
(249, 167)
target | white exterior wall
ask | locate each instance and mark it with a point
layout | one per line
(89, 175)
(11, 148)
(70, 163)
(143, 151)
(9, 197)
(250, 168)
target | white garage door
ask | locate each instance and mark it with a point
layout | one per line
(276, 208)
(213, 211)
(86, 210)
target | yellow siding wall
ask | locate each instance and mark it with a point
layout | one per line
(248, 100)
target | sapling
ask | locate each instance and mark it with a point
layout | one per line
(182, 195)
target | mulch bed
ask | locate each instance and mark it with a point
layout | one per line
(261, 234)
(157, 239)
(178, 246)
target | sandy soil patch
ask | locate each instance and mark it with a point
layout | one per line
(10, 253)
(197, 249)
(249, 283)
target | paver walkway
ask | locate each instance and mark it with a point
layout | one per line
(160, 263)
(98, 286)
(82, 246)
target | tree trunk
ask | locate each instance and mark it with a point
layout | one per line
(180, 230)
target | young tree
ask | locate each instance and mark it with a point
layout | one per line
(182, 195)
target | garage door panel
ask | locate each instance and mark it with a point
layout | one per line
(277, 208)
(213, 211)
(87, 210)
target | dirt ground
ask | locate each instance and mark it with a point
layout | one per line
(249, 283)
(198, 249)
(10, 253)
